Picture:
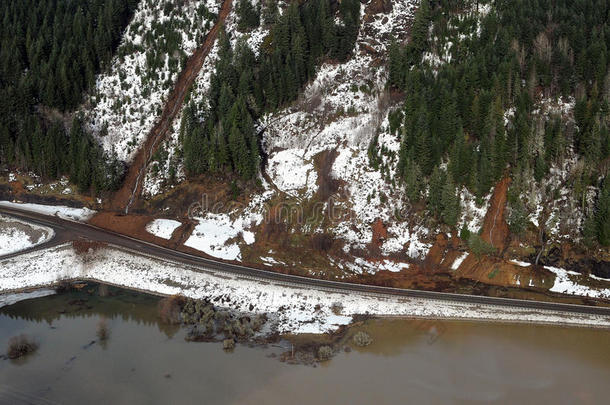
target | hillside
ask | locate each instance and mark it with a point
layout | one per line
(459, 147)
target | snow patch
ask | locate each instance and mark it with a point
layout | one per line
(73, 214)
(163, 228)
(15, 237)
(214, 231)
(564, 284)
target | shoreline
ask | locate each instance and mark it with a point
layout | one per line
(297, 309)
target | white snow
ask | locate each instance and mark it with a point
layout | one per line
(163, 228)
(564, 284)
(73, 214)
(214, 231)
(293, 309)
(291, 172)
(129, 96)
(458, 262)
(15, 238)
(342, 109)
(12, 298)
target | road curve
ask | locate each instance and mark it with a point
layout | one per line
(66, 230)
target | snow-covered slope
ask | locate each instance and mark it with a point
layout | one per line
(129, 96)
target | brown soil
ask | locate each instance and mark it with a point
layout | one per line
(86, 246)
(380, 233)
(132, 225)
(16, 190)
(122, 199)
(495, 228)
(436, 253)
(182, 233)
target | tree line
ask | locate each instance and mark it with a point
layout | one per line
(453, 124)
(221, 135)
(50, 52)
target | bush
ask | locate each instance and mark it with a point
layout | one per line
(228, 344)
(337, 308)
(170, 309)
(321, 242)
(479, 247)
(362, 339)
(325, 353)
(19, 346)
(465, 233)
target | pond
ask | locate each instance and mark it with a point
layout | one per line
(409, 361)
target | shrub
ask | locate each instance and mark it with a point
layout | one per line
(228, 344)
(479, 247)
(337, 308)
(321, 242)
(362, 339)
(170, 309)
(19, 346)
(325, 353)
(465, 233)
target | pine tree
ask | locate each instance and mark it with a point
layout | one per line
(396, 68)
(602, 213)
(270, 12)
(450, 204)
(413, 181)
(435, 195)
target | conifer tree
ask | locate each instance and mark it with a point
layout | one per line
(450, 204)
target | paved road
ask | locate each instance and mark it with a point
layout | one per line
(66, 230)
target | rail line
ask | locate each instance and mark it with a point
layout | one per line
(66, 230)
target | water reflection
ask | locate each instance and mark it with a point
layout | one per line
(409, 361)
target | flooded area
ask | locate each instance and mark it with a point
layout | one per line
(409, 361)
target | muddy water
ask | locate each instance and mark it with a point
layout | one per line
(408, 362)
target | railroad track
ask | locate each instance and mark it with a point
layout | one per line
(66, 230)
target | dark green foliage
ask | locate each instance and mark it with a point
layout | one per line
(454, 111)
(244, 86)
(50, 51)
(517, 216)
(465, 232)
(479, 247)
(248, 17)
(270, 12)
(450, 204)
(601, 216)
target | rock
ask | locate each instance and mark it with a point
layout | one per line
(601, 269)
(366, 48)
(378, 6)
(325, 353)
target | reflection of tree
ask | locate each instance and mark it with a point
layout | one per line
(93, 300)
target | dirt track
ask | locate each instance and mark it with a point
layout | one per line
(129, 193)
(495, 228)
